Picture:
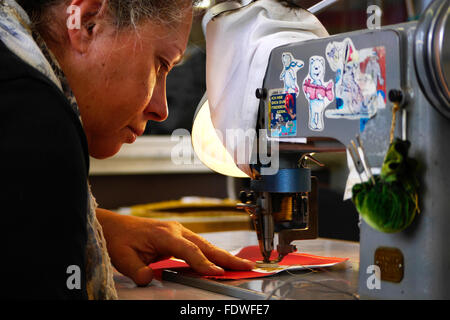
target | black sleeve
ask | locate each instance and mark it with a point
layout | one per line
(43, 204)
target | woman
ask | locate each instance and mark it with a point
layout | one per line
(69, 90)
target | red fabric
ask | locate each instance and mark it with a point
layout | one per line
(252, 253)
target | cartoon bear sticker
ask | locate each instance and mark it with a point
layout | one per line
(318, 92)
(289, 73)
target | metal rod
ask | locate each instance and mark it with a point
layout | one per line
(213, 286)
(410, 9)
(404, 124)
(322, 5)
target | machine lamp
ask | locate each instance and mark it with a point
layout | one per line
(209, 147)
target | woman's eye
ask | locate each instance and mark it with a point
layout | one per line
(90, 27)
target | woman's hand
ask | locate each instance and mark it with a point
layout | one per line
(133, 243)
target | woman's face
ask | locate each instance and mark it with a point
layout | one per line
(119, 80)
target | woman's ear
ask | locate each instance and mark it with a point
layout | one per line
(83, 19)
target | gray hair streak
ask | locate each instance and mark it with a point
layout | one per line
(124, 13)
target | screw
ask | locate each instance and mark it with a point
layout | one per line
(261, 93)
(396, 95)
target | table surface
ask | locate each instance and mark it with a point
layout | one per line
(338, 282)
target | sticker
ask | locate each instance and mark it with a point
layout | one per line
(360, 80)
(289, 73)
(318, 93)
(283, 102)
(283, 113)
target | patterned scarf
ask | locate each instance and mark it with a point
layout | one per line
(17, 33)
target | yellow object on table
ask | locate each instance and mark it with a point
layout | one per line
(199, 214)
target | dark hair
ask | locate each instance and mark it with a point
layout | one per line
(294, 4)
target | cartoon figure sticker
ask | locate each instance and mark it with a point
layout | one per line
(289, 73)
(317, 92)
(360, 80)
(283, 102)
(374, 67)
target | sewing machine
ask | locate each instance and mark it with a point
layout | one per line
(343, 101)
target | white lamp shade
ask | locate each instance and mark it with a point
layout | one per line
(209, 147)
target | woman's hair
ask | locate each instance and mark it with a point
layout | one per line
(294, 4)
(124, 13)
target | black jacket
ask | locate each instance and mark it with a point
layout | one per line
(44, 165)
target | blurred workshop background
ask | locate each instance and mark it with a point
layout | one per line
(143, 180)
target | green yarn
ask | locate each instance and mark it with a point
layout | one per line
(390, 204)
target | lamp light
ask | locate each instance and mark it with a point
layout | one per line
(208, 146)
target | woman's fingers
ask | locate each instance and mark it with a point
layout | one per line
(217, 255)
(174, 239)
(191, 253)
(128, 262)
(168, 239)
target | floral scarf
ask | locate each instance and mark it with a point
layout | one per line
(17, 33)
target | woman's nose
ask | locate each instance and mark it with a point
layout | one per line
(157, 109)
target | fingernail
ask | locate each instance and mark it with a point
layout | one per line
(249, 262)
(217, 269)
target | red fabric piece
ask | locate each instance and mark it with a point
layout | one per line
(251, 253)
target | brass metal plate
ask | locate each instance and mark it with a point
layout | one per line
(391, 264)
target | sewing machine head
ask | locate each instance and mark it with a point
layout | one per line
(335, 94)
(340, 99)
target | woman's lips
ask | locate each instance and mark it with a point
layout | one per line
(137, 132)
(133, 134)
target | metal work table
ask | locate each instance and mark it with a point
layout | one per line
(339, 282)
